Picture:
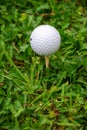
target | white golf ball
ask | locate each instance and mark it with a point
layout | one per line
(45, 40)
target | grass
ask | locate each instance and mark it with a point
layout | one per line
(31, 96)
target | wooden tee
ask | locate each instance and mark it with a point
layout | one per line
(47, 61)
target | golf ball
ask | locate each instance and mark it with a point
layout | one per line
(45, 40)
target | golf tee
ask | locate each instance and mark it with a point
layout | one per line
(47, 61)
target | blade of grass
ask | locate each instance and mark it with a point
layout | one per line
(40, 96)
(12, 63)
(67, 124)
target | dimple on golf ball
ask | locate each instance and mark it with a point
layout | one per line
(45, 40)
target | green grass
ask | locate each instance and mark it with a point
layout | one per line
(31, 96)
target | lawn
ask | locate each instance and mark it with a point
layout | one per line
(33, 97)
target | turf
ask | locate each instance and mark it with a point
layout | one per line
(31, 96)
